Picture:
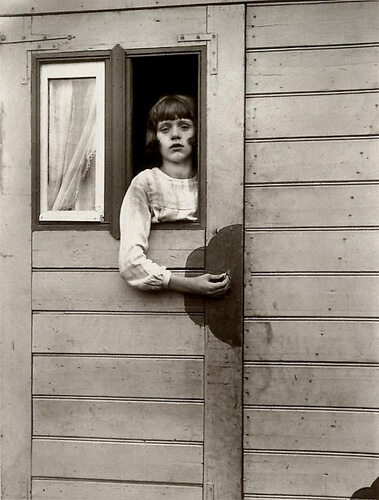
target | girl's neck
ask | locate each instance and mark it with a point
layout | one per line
(183, 170)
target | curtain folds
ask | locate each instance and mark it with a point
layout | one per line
(72, 154)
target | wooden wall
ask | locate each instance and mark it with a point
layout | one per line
(118, 398)
(312, 250)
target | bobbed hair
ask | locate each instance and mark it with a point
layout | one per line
(169, 107)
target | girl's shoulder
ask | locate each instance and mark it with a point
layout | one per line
(144, 179)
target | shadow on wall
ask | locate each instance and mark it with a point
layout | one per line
(224, 315)
(370, 492)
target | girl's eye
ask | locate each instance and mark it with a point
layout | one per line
(164, 130)
(184, 127)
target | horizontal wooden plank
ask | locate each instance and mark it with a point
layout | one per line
(316, 475)
(102, 291)
(118, 377)
(312, 70)
(118, 419)
(312, 251)
(313, 115)
(116, 334)
(302, 430)
(91, 30)
(76, 249)
(329, 296)
(312, 206)
(22, 7)
(312, 24)
(305, 161)
(325, 341)
(176, 463)
(297, 385)
(99, 490)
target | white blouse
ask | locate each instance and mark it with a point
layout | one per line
(152, 197)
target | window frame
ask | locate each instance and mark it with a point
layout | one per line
(71, 71)
(118, 152)
(201, 51)
(44, 59)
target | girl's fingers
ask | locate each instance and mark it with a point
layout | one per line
(220, 287)
(217, 277)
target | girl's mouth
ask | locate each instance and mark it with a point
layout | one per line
(176, 146)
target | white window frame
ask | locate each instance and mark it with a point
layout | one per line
(73, 70)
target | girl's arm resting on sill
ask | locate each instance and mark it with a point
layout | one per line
(135, 220)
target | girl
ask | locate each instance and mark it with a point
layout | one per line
(167, 192)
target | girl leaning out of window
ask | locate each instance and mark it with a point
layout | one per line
(166, 192)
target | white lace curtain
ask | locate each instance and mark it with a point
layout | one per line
(72, 153)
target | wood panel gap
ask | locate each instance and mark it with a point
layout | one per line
(105, 399)
(373, 456)
(310, 364)
(118, 440)
(298, 48)
(118, 356)
(252, 140)
(114, 481)
(258, 95)
(311, 228)
(315, 183)
(321, 409)
(357, 319)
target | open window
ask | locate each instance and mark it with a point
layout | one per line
(151, 75)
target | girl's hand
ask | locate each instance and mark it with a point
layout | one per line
(210, 285)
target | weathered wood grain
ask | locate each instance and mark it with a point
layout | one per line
(129, 27)
(15, 295)
(99, 490)
(298, 385)
(312, 23)
(313, 115)
(118, 377)
(312, 70)
(151, 420)
(174, 463)
(225, 170)
(312, 206)
(56, 7)
(85, 249)
(312, 251)
(329, 296)
(305, 161)
(102, 291)
(313, 341)
(302, 430)
(116, 334)
(315, 475)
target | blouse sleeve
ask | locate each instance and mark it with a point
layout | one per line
(135, 220)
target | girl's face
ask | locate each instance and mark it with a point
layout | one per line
(175, 139)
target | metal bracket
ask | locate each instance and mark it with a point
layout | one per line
(209, 491)
(204, 37)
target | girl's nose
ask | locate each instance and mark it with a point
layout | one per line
(175, 133)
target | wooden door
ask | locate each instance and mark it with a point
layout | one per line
(118, 393)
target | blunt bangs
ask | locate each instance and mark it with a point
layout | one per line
(173, 107)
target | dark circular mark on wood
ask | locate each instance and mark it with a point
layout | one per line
(223, 315)
(371, 492)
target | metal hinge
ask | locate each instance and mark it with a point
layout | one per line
(33, 39)
(204, 37)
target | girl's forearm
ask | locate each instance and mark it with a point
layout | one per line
(182, 284)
